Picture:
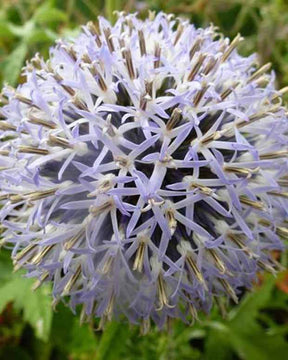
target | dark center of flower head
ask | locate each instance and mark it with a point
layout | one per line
(143, 169)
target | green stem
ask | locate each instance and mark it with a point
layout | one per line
(111, 6)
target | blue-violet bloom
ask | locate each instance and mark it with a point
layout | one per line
(144, 169)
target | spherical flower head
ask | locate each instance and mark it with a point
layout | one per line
(144, 169)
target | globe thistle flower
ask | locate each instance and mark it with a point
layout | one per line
(144, 169)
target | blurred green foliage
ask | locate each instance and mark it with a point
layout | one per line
(29, 26)
(257, 329)
(263, 23)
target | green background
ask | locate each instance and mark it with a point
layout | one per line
(256, 329)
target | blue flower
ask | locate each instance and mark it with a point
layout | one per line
(144, 169)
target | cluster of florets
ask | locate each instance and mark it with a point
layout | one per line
(143, 169)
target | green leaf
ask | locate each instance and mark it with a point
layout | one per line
(40, 36)
(244, 314)
(5, 266)
(243, 333)
(23, 31)
(68, 335)
(5, 30)
(46, 14)
(12, 65)
(249, 343)
(112, 341)
(36, 306)
(82, 338)
(217, 345)
(258, 345)
(37, 310)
